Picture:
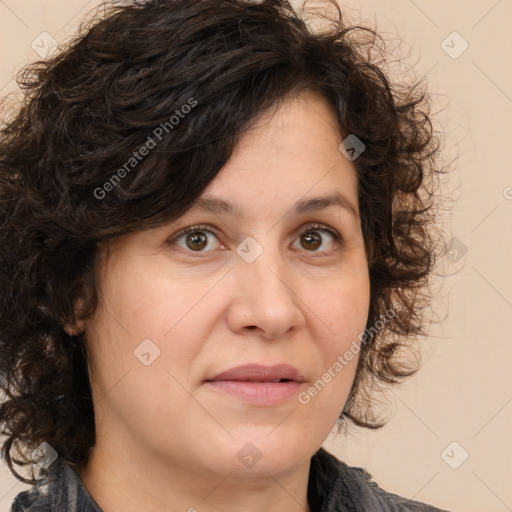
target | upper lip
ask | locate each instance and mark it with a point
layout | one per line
(260, 373)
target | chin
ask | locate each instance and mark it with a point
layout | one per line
(260, 454)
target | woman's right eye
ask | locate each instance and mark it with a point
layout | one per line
(194, 238)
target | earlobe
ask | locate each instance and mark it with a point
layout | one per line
(77, 327)
(74, 330)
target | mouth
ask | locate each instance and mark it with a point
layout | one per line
(258, 384)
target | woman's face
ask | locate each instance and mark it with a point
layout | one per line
(252, 287)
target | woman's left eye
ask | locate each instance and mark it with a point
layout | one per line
(196, 240)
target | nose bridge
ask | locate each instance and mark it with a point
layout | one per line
(261, 264)
(265, 288)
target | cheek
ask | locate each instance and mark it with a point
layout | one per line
(142, 299)
(342, 327)
(343, 308)
(145, 300)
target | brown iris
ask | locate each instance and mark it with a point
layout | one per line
(314, 241)
(198, 239)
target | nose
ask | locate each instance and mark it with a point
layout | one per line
(266, 297)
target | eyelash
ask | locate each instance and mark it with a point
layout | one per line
(201, 227)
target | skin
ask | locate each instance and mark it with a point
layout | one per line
(165, 440)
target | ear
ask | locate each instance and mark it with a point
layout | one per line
(79, 326)
(73, 330)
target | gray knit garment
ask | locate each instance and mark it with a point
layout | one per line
(333, 487)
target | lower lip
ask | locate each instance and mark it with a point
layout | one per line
(258, 393)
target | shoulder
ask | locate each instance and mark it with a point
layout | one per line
(32, 500)
(38, 497)
(60, 490)
(394, 501)
(339, 483)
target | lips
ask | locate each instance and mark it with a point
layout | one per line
(258, 385)
(260, 373)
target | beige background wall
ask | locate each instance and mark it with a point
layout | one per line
(463, 393)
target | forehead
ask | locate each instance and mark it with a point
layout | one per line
(291, 154)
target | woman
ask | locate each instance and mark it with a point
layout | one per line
(214, 227)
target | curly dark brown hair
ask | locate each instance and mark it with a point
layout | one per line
(93, 106)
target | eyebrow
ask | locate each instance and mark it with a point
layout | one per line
(217, 205)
